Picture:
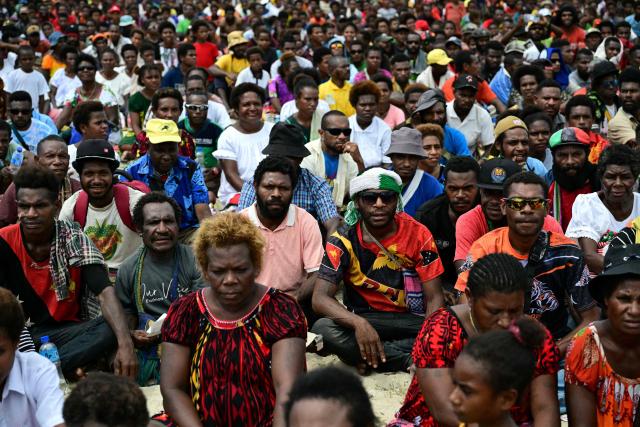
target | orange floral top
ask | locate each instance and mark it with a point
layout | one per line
(587, 366)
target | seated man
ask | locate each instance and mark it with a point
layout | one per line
(389, 265)
(405, 153)
(441, 214)
(158, 273)
(103, 208)
(52, 266)
(26, 130)
(162, 169)
(560, 275)
(333, 157)
(310, 193)
(29, 383)
(51, 154)
(488, 215)
(293, 237)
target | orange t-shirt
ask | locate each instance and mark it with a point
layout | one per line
(485, 95)
(52, 64)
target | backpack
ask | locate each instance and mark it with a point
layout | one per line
(121, 196)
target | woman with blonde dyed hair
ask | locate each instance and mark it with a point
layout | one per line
(231, 351)
(433, 143)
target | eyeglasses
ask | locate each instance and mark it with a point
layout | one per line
(16, 111)
(197, 107)
(518, 203)
(86, 68)
(337, 45)
(371, 197)
(339, 131)
(356, 51)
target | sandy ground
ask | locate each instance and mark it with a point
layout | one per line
(385, 390)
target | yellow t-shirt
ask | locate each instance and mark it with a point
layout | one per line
(231, 64)
(337, 98)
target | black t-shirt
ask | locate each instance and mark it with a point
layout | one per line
(434, 214)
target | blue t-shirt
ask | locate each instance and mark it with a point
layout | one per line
(454, 142)
(536, 166)
(172, 78)
(330, 168)
(428, 189)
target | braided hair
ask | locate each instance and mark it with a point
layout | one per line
(497, 272)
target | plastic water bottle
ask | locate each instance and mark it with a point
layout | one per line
(16, 159)
(50, 351)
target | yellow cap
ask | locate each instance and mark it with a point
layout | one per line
(160, 130)
(439, 57)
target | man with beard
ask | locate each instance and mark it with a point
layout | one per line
(579, 78)
(579, 112)
(416, 55)
(52, 155)
(488, 215)
(549, 98)
(572, 173)
(441, 214)
(103, 208)
(389, 265)
(492, 60)
(624, 126)
(553, 261)
(293, 240)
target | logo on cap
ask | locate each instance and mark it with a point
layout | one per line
(498, 175)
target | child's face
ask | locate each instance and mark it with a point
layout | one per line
(256, 62)
(147, 56)
(27, 58)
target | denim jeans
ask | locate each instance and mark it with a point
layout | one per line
(397, 332)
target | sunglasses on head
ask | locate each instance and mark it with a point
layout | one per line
(197, 107)
(371, 197)
(338, 131)
(518, 203)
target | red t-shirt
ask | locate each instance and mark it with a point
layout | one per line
(566, 201)
(206, 54)
(485, 95)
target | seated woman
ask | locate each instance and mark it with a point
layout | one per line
(432, 142)
(597, 217)
(492, 373)
(602, 371)
(280, 90)
(496, 294)
(307, 117)
(231, 351)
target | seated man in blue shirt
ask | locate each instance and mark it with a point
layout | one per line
(162, 169)
(406, 152)
(174, 78)
(311, 193)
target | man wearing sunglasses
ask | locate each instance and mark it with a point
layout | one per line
(604, 85)
(554, 262)
(26, 131)
(390, 268)
(334, 157)
(204, 132)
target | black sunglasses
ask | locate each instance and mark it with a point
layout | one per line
(339, 131)
(16, 111)
(86, 68)
(371, 197)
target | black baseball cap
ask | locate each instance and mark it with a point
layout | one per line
(466, 80)
(494, 172)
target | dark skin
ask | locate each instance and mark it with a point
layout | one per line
(379, 221)
(617, 196)
(37, 209)
(232, 294)
(336, 145)
(462, 192)
(96, 178)
(405, 165)
(618, 335)
(492, 311)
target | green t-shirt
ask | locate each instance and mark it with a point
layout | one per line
(183, 26)
(138, 103)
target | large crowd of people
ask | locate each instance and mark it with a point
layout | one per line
(196, 194)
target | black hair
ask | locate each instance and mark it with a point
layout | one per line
(549, 83)
(37, 177)
(52, 137)
(241, 89)
(524, 178)
(165, 92)
(377, 78)
(336, 384)
(464, 57)
(461, 164)
(320, 53)
(195, 26)
(311, 27)
(566, 8)
(585, 52)
(154, 197)
(630, 75)
(146, 46)
(414, 88)
(495, 45)
(128, 47)
(5, 126)
(20, 96)
(183, 49)
(253, 50)
(311, 73)
(527, 70)
(622, 24)
(145, 69)
(560, 43)
(374, 48)
(106, 399)
(67, 50)
(508, 356)
(164, 25)
(11, 316)
(579, 101)
(497, 272)
(82, 113)
(276, 164)
(538, 117)
(332, 113)
(303, 81)
(111, 51)
(399, 57)
(83, 57)
(511, 58)
(619, 155)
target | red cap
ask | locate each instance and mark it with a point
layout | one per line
(114, 9)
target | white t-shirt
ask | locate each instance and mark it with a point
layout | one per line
(9, 65)
(113, 238)
(477, 127)
(65, 86)
(246, 150)
(289, 108)
(302, 62)
(246, 76)
(591, 218)
(373, 142)
(118, 85)
(34, 83)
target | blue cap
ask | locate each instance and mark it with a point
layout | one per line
(55, 37)
(44, 339)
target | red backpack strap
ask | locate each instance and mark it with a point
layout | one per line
(81, 208)
(121, 195)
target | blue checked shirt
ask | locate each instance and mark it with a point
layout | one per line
(311, 194)
(186, 189)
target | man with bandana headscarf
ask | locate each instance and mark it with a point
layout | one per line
(389, 265)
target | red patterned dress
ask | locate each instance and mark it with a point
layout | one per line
(438, 345)
(230, 376)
